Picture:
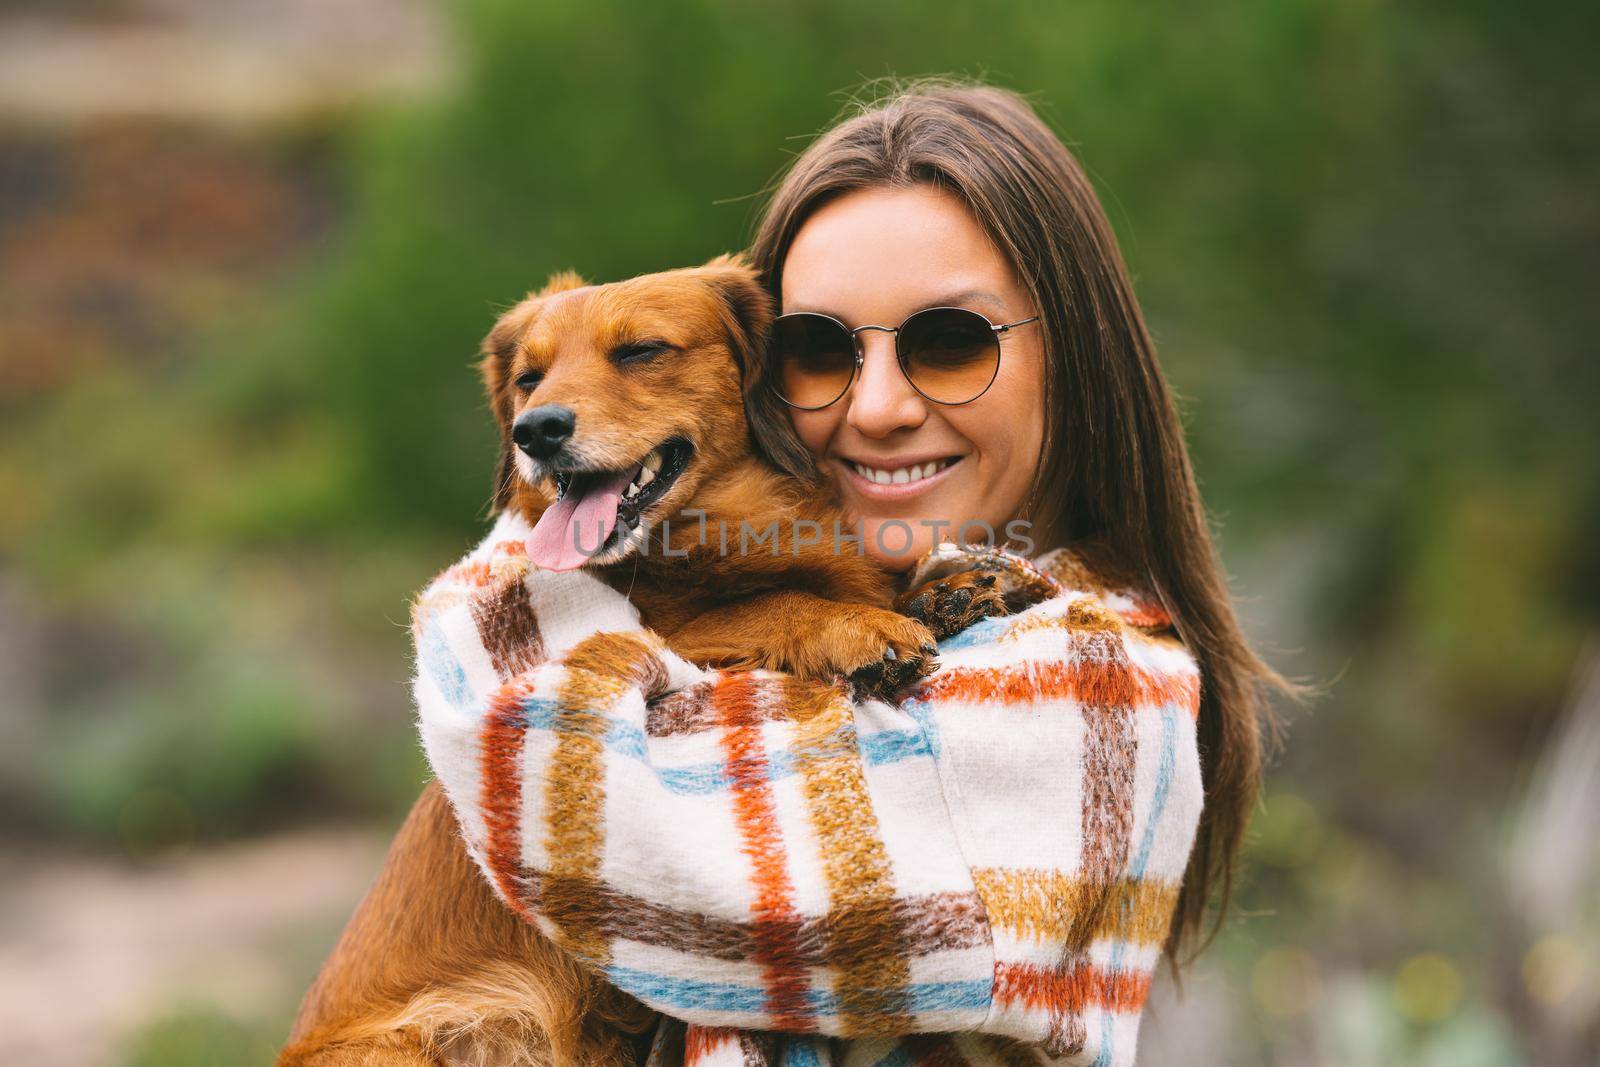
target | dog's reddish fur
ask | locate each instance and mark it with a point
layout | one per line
(433, 969)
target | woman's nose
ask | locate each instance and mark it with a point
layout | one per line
(882, 401)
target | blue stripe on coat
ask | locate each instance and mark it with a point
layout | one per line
(700, 779)
(442, 664)
(668, 993)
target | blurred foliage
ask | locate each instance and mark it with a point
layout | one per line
(200, 1036)
(1365, 236)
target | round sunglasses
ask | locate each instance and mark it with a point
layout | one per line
(949, 355)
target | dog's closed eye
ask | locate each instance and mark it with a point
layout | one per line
(529, 380)
(638, 351)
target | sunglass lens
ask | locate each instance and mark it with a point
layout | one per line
(815, 359)
(950, 355)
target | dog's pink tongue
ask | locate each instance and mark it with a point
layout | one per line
(574, 527)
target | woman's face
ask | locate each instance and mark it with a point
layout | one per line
(873, 257)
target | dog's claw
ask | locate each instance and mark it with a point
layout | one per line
(897, 669)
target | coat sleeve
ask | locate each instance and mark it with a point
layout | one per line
(998, 852)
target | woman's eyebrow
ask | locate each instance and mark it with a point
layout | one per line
(957, 299)
(967, 296)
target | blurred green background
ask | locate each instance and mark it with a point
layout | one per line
(247, 250)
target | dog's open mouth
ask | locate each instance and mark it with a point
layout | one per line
(595, 511)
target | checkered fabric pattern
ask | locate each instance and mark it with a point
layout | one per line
(981, 873)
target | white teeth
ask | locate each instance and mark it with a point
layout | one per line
(901, 476)
(646, 475)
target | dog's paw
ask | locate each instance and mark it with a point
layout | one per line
(901, 651)
(876, 649)
(947, 606)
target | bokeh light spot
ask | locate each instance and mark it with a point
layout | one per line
(1427, 987)
(1552, 969)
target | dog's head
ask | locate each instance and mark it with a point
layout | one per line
(616, 401)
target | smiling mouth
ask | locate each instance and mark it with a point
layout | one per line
(887, 485)
(597, 510)
(901, 475)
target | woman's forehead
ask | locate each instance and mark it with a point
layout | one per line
(885, 251)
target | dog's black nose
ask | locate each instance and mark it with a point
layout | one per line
(542, 431)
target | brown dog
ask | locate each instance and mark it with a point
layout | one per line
(620, 408)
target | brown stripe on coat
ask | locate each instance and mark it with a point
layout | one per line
(688, 711)
(776, 696)
(1066, 1035)
(1109, 751)
(925, 924)
(1110, 748)
(508, 627)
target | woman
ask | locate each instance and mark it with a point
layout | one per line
(1000, 861)
(950, 194)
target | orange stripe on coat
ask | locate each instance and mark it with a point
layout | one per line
(773, 911)
(1086, 681)
(500, 792)
(1071, 990)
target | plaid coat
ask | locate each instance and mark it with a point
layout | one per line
(981, 873)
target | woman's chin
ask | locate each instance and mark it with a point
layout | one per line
(897, 563)
(895, 544)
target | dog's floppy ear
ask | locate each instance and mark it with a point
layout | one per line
(749, 308)
(749, 313)
(499, 348)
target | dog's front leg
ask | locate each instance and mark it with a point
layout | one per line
(812, 637)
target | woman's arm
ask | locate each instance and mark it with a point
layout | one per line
(999, 852)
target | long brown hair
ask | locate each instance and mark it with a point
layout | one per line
(1116, 473)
